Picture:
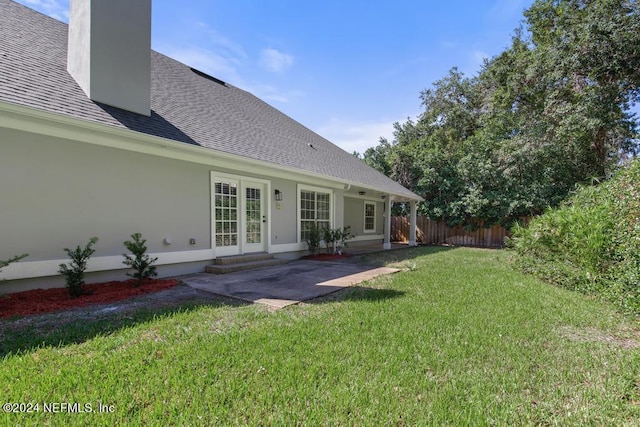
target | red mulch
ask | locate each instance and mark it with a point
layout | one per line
(39, 301)
(327, 257)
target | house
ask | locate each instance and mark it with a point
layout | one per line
(101, 136)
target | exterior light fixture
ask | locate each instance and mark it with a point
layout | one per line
(278, 196)
(362, 193)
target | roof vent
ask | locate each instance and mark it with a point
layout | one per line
(208, 77)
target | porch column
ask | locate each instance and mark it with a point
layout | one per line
(387, 223)
(412, 223)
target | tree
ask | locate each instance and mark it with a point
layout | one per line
(547, 114)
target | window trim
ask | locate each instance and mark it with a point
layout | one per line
(364, 215)
(302, 187)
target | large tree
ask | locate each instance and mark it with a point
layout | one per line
(549, 112)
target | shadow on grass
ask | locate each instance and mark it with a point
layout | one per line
(399, 255)
(357, 293)
(68, 327)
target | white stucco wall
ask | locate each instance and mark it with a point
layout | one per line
(58, 194)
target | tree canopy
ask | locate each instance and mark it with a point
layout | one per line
(550, 112)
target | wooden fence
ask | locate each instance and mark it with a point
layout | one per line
(431, 232)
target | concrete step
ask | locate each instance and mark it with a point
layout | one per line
(238, 259)
(225, 267)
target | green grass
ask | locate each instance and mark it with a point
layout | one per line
(458, 338)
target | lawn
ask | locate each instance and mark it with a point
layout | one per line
(457, 338)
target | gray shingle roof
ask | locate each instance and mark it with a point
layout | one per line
(186, 106)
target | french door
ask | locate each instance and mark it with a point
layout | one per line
(239, 216)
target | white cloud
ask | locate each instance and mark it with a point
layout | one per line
(274, 60)
(223, 43)
(506, 10)
(58, 9)
(219, 66)
(270, 93)
(356, 136)
(477, 59)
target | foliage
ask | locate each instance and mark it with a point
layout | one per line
(591, 243)
(340, 237)
(329, 238)
(141, 262)
(74, 271)
(313, 238)
(335, 239)
(5, 263)
(547, 114)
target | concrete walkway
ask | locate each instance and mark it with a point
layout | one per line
(287, 284)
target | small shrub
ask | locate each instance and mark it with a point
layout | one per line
(74, 271)
(329, 238)
(4, 263)
(313, 241)
(340, 237)
(141, 262)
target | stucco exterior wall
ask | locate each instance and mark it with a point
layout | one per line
(284, 213)
(59, 194)
(354, 217)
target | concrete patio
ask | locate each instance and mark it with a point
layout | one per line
(283, 285)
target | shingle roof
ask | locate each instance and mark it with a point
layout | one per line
(186, 106)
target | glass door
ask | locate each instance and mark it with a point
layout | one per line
(226, 217)
(255, 220)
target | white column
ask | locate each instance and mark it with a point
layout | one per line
(387, 224)
(412, 224)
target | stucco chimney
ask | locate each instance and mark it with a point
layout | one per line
(110, 51)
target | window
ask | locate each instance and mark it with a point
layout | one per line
(226, 214)
(253, 219)
(369, 217)
(315, 208)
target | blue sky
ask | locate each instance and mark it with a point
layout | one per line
(347, 69)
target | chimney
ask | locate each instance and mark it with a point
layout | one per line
(109, 51)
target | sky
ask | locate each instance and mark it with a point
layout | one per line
(346, 69)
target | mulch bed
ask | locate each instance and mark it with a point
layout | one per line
(39, 301)
(327, 257)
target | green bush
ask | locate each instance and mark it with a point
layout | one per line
(313, 239)
(141, 262)
(591, 243)
(74, 271)
(329, 239)
(4, 263)
(340, 237)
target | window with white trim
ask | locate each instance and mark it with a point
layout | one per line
(315, 208)
(369, 217)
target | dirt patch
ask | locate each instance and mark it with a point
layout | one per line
(627, 339)
(40, 301)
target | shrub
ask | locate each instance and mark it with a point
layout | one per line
(141, 262)
(4, 263)
(74, 272)
(591, 243)
(329, 239)
(313, 239)
(340, 237)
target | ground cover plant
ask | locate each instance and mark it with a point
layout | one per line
(457, 338)
(591, 243)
